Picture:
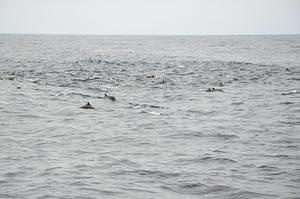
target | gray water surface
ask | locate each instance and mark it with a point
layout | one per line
(164, 136)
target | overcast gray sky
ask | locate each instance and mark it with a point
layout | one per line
(150, 16)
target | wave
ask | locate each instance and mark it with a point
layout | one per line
(140, 106)
(248, 194)
(157, 174)
(138, 190)
(206, 159)
(207, 135)
(292, 92)
(152, 112)
(87, 79)
(197, 189)
(216, 159)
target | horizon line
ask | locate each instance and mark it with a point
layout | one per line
(151, 34)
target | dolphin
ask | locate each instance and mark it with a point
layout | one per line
(112, 98)
(87, 106)
(214, 90)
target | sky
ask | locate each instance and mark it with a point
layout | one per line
(184, 17)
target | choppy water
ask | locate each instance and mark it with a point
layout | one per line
(164, 136)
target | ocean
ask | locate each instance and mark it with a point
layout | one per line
(194, 116)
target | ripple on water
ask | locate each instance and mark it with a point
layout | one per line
(148, 173)
(206, 160)
(196, 134)
(197, 189)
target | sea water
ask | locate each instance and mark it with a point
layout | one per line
(165, 136)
